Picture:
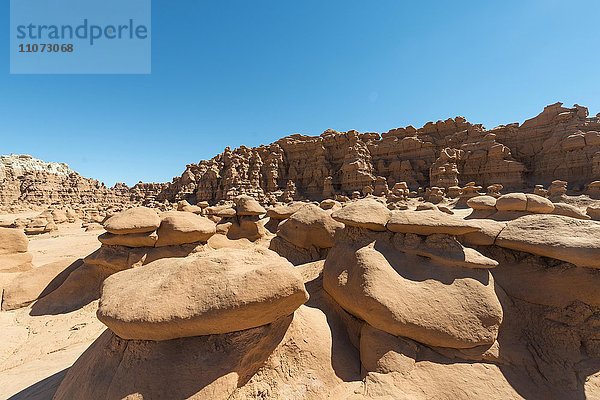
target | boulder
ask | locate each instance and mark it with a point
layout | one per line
(38, 282)
(134, 220)
(246, 205)
(482, 203)
(178, 227)
(411, 296)
(225, 213)
(209, 293)
(13, 241)
(554, 236)
(538, 204)
(185, 206)
(568, 210)
(512, 202)
(365, 213)
(330, 204)
(430, 222)
(309, 227)
(246, 227)
(285, 211)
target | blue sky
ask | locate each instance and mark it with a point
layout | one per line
(226, 73)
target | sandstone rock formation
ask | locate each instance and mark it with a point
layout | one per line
(306, 235)
(29, 180)
(13, 251)
(401, 304)
(225, 291)
(559, 144)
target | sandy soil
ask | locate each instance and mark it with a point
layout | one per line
(35, 351)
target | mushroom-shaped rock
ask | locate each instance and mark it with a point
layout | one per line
(366, 213)
(411, 296)
(430, 222)
(246, 205)
(568, 210)
(209, 293)
(134, 220)
(309, 227)
(147, 239)
(178, 227)
(285, 211)
(538, 204)
(482, 203)
(554, 236)
(512, 202)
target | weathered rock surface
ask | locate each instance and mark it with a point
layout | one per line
(216, 292)
(562, 238)
(512, 202)
(147, 239)
(133, 220)
(13, 251)
(407, 295)
(36, 283)
(309, 227)
(558, 144)
(177, 227)
(12, 241)
(28, 180)
(568, 210)
(366, 213)
(482, 203)
(429, 222)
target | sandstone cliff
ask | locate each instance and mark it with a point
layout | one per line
(560, 143)
(24, 179)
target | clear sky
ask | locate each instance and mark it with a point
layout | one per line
(226, 73)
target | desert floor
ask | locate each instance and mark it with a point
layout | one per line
(37, 350)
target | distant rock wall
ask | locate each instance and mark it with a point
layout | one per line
(560, 143)
(27, 180)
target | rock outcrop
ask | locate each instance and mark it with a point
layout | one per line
(225, 290)
(559, 144)
(14, 256)
(24, 179)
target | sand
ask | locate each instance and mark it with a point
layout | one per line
(35, 351)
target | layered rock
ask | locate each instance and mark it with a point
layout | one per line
(560, 143)
(386, 278)
(28, 180)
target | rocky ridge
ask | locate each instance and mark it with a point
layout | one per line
(559, 144)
